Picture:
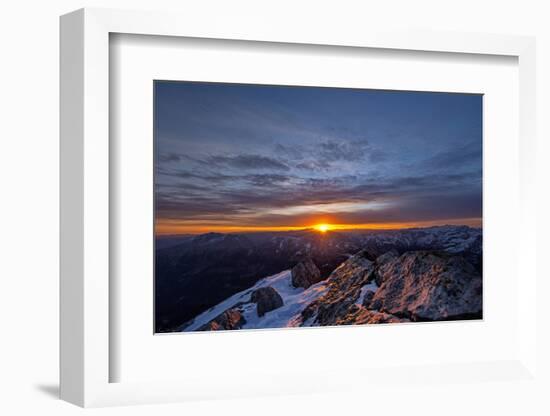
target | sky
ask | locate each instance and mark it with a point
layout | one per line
(236, 157)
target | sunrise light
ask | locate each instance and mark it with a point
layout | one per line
(322, 227)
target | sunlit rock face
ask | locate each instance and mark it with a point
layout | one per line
(382, 264)
(424, 285)
(305, 274)
(344, 290)
(416, 286)
(362, 316)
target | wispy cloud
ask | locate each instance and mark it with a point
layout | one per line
(267, 155)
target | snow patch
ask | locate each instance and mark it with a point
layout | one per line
(369, 286)
(295, 300)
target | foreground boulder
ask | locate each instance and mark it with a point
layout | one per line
(266, 299)
(305, 274)
(424, 285)
(230, 319)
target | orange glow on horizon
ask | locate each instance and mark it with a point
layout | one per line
(174, 227)
(323, 227)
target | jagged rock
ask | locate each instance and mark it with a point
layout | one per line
(344, 287)
(266, 299)
(368, 253)
(305, 274)
(230, 319)
(369, 294)
(363, 316)
(424, 285)
(382, 263)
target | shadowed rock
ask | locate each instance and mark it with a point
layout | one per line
(305, 274)
(266, 299)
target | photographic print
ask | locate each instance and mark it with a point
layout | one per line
(293, 206)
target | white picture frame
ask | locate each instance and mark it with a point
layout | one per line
(85, 211)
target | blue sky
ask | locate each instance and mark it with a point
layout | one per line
(233, 156)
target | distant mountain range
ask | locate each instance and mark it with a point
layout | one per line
(302, 278)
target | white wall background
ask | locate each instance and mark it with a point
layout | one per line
(29, 205)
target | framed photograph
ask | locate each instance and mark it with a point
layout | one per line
(276, 211)
(315, 206)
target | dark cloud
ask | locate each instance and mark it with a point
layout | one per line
(266, 180)
(249, 161)
(213, 178)
(457, 158)
(324, 156)
(333, 150)
(169, 157)
(207, 177)
(407, 197)
(424, 207)
(314, 165)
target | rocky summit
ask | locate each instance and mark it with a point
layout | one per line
(197, 273)
(416, 286)
(376, 284)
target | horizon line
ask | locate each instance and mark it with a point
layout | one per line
(472, 223)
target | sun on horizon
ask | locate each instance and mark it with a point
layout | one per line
(323, 227)
(169, 227)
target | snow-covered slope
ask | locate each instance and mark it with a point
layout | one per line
(295, 300)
